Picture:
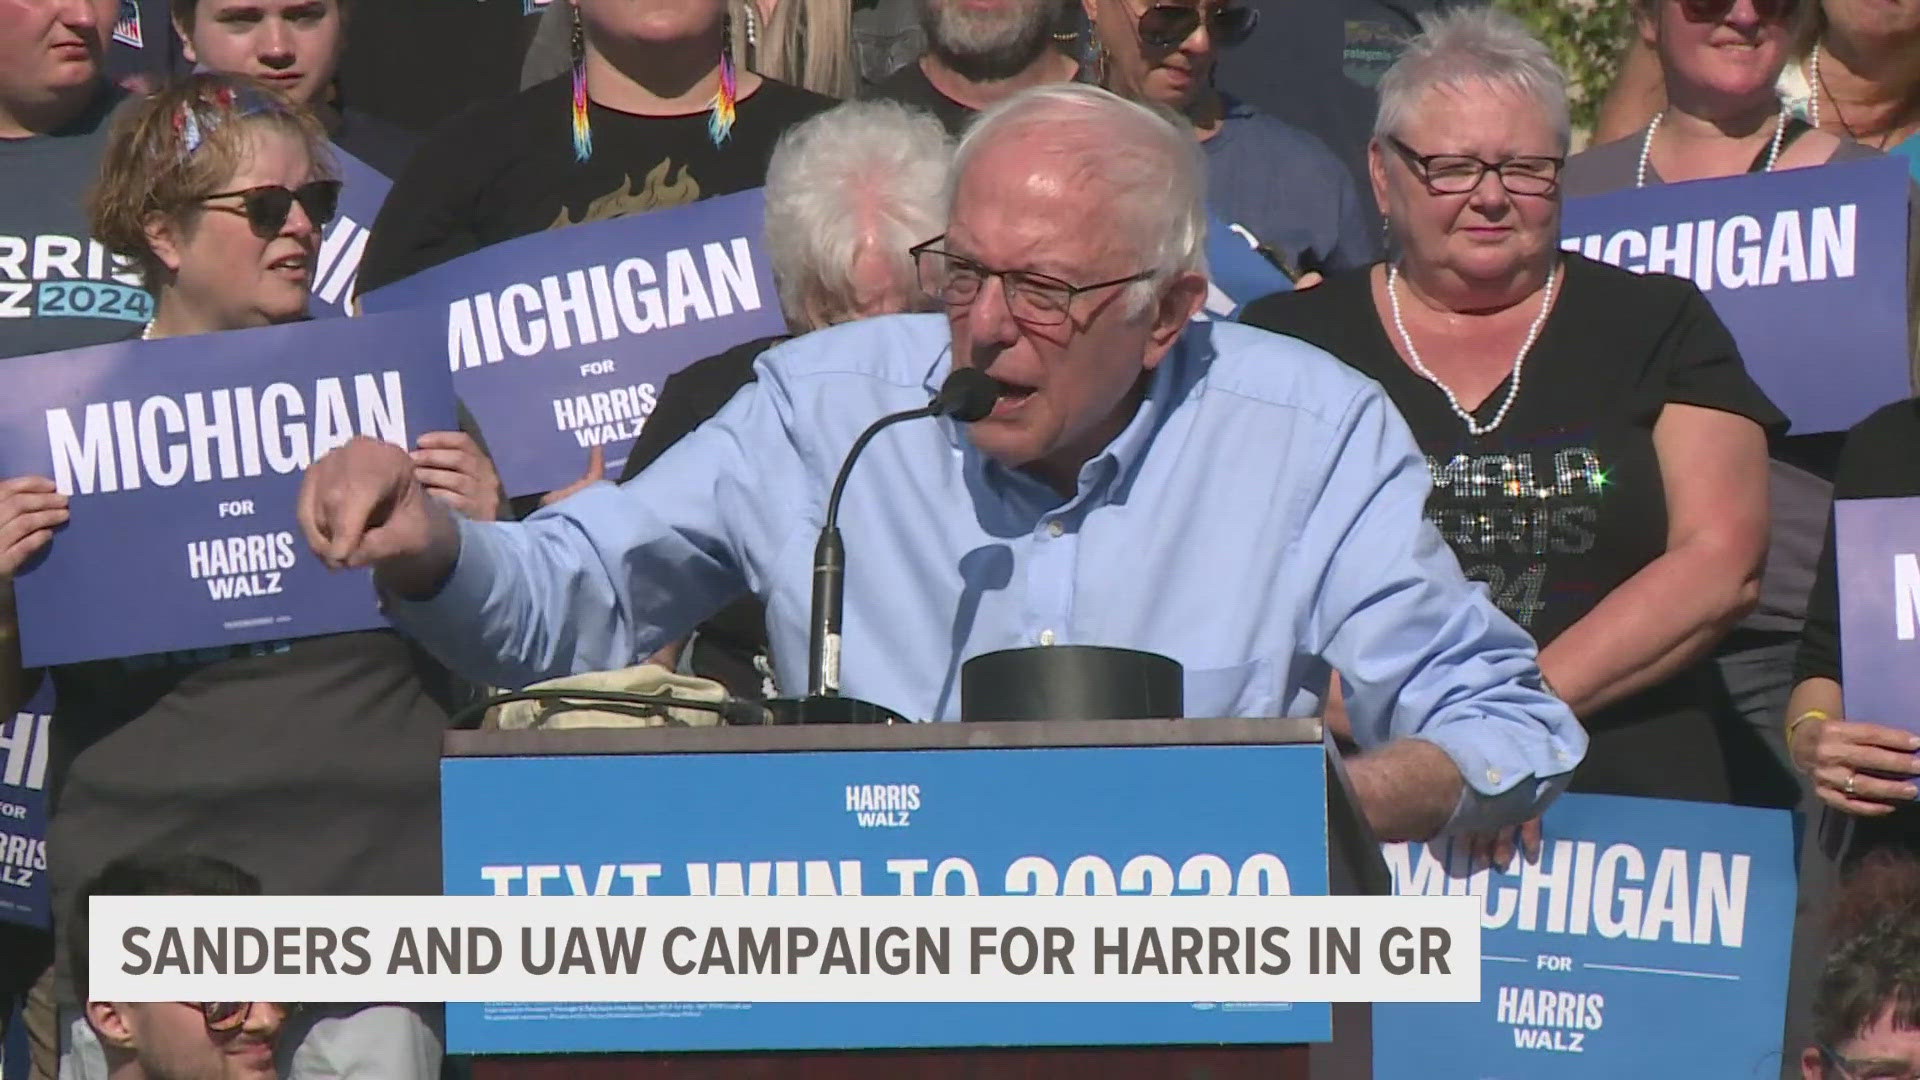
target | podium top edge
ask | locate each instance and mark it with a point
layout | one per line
(1279, 731)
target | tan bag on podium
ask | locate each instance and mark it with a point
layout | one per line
(558, 714)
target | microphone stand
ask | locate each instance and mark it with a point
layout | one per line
(967, 395)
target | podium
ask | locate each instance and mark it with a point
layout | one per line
(1073, 807)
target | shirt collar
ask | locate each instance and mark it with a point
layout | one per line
(1121, 459)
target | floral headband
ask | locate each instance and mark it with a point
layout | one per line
(197, 118)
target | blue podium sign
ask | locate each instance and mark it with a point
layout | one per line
(1245, 819)
(1650, 939)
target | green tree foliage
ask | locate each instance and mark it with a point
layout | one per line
(1588, 37)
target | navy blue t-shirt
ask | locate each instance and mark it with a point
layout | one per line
(1282, 185)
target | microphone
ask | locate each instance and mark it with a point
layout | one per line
(968, 395)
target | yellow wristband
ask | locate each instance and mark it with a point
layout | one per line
(1810, 714)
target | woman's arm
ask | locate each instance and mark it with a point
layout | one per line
(1667, 616)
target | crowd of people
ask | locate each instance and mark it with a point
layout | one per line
(1515, 521)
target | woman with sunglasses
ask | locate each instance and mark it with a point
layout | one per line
(1598, 451)
(1720, 61)
(654, 114)
(1854, 72)
(1272, 182)
(313, 762)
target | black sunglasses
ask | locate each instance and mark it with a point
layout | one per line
(225, 1016)
(1165, 26)
(266, 207)
(1712, 11)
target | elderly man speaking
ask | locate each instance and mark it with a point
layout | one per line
(1236, 500)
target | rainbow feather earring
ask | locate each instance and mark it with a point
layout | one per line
(582, 126)
(720, 120)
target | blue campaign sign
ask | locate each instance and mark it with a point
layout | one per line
(23, 811)
(1183, 819)
(183, 458)
(1238, 274)
(560, 341)
(1598, 958)
(344, 241)
(1807, 267)
(1877, 569)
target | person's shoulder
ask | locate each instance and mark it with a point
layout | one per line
(895, 349)
(1844, 150)
(1896, 423)
(788, 100)
(1279, 135)
(1593, 280)
(1337, 300)
(1600, 169)
(386, 146)
(1280, 372)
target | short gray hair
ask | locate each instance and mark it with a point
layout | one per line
(862, 171)
(1150, 167)
(1478, 43)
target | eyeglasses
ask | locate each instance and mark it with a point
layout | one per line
(227, 1016)
(1165, 26)
(266, 207)
(1713, 11)
(1457, 174)
(1034, 299)
(1867, 1070)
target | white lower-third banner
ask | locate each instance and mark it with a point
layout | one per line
(785, 948)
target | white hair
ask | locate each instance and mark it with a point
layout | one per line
(1477, 43)
(861, 172)
(1135, 169)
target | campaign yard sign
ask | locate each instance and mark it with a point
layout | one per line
(1650, 939)
(24, 748)
(344, 241)
(1807, 268)
(1180, 820)
(1877, 568)
(183, 459)
(559, 341)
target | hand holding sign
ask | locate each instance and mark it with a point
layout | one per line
(1857, 768)
(455, 470)
(30, 509)
(596, 472)
(362, 506)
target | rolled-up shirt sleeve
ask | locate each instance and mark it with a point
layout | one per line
(602, 579)
(1424, 652)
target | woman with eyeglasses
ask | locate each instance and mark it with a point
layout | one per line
(1720, 61)
(1598, 450)
(1275, 184)
(313, 762)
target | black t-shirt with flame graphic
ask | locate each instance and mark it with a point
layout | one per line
(508, 169)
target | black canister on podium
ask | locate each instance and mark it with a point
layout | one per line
(1071, 682)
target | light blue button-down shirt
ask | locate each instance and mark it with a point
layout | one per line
(1258, 520)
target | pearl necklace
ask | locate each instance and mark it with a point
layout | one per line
(146, 332)
(1513, 385)
(1646, 144)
